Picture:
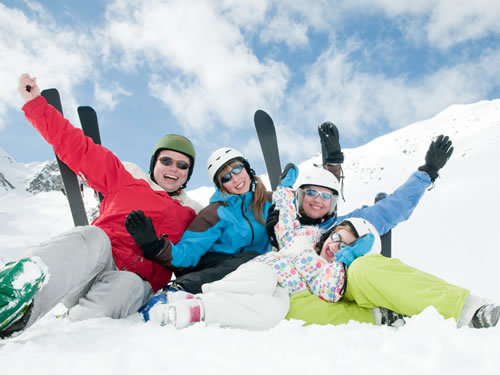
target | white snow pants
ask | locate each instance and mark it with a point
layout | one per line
(248, 298)
(83, 276)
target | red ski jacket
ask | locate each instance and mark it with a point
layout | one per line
(104, 172)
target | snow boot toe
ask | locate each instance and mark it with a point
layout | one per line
(19, 282)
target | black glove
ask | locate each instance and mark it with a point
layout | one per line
(438, 154)
(330, 146)
(272, 219)
(143, 232)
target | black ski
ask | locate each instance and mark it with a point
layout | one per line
(266, 133)
(70, 180)
(386, 239)
(90, 127)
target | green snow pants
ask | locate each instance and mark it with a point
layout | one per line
(374, 280)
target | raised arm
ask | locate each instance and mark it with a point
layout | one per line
(398, 206)
(98, 166)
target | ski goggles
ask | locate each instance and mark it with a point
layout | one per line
(336, 238)
(234, 170)
(325, 195)
(181, 164)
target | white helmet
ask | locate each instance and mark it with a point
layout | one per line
(220, 157)
(317, 176)
(364, 227)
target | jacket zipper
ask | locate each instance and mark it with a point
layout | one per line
(128, 265)
(248, 220)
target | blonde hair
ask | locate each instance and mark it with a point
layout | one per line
(259, 198)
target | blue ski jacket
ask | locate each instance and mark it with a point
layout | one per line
(388, 212)
(226, 225)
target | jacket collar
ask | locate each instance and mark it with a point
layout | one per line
(218, 196)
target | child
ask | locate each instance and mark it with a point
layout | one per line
(270, 279)
(300, 263)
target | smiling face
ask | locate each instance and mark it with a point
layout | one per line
(170, 177)
(315, 207)
(330, 248)
(239, 183)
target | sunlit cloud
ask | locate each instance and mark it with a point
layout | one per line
(107, 98)
(200, 63)
(359, 99)
(443, 23)
(56, 55)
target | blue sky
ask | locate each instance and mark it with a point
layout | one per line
(202, 68)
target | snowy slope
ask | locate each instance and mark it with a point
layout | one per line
(451, 234)
(454, 223)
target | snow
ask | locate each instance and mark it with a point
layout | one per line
(451, 234)
(32, 271)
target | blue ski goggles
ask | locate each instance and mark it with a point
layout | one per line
(325, 195)
(234, 170)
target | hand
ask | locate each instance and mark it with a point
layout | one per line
(289, 175)
(24, 81)
(272, 219)
(359, 248)
(330, 146)
(436, 157)
(143, 232)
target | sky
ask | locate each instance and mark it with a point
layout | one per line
(202, 69)
(451, 234)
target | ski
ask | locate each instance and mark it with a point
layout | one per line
(90, 127)
(386, 239)
(266, 133)
(70, 180)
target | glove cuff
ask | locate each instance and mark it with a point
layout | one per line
(433, 174)
(152, 249)
(333, 158)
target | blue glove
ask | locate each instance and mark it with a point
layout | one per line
(363, 245)
(160, 298)
(289, 175)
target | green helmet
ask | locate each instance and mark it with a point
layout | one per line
(177, 143)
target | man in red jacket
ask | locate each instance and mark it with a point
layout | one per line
(98, 270)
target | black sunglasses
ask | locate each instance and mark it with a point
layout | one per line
(336, 238)
(181, 164)
(234, 170)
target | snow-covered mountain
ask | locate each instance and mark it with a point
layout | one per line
(33, 206)
(451, 234)
(33, 177)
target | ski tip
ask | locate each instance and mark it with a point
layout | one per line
(53, 98)
(261, 115)
(85, 109)
(51, 91)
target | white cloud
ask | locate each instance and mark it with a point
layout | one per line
(201, 65)
(442, 23)
(290, 22)
(282, 29)
(452, 22)
(55, 55)
(337, 89)
(107, 99)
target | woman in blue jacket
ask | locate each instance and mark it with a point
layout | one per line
(225, 234)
